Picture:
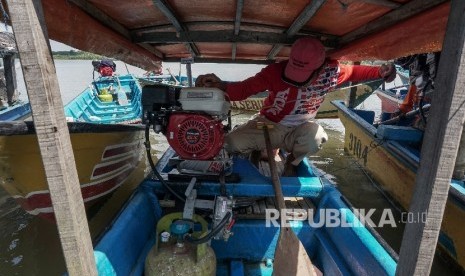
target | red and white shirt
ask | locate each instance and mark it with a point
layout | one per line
(290, 105)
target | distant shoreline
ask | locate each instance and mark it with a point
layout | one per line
(72, 55)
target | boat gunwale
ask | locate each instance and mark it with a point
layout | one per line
(388, 95)
(11, 128)
(457, 197)
(79, 106)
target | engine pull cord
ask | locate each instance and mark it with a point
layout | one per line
(212, 233)
(154, 169)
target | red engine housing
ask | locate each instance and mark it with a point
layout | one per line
(195, 136)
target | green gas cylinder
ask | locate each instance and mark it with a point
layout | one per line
(173, 256)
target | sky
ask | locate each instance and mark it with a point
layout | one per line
(58, 46)
(232, 72)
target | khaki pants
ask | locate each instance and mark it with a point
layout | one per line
(302, 140)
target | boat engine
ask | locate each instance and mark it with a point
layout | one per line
(192, 121)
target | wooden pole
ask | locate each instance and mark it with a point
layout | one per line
(52, 134)
(352, 95)
(189, 74)
(10, 78)
(290, 256)
(459, 169)
(440, 145)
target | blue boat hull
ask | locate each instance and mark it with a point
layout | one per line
(335, 251)
(18, 111)
(88, 107)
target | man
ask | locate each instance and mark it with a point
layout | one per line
(297, 88)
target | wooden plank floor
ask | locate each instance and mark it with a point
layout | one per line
(297, 205)
(264, 167)
(255, 208)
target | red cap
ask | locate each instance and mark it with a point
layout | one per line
(307, 54)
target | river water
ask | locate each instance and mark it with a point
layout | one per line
(30, 245)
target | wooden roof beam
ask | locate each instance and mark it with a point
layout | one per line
(169, 13)
(109, 22)
(404, 12)
(237, 25)
(222, 37)
(308, 12)
(224, 60)
(237, 22)
(385, 3)
(229, 24)
(234, 51)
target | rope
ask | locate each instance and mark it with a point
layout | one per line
(380, 190)
(346, 87)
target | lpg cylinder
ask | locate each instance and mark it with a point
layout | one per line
(173, 256)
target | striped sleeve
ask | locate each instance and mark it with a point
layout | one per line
(238, 91)
(357, 73)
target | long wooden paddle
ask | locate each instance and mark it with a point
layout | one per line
(290, 257)
(174, 77)
(122, 98)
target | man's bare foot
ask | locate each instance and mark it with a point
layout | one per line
(264, 155)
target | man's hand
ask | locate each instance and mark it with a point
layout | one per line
(387, 72)
(207, 80)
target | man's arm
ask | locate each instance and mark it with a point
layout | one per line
(239, 90)
(359, 73)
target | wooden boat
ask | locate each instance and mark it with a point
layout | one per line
(391, 98)
(165, 79)
(11, 107)
(250, 250)
(108, 153)
(391, 155)
(403, 74)
(259, 32)
(107, 157)
(99, 102)
(17, 111)
(153, 79)
(327, 110)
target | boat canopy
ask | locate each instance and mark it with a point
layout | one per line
(144, 32)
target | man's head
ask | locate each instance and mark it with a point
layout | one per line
(307, 55)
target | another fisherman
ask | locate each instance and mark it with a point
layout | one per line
(297, 88)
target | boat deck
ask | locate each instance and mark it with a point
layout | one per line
(255, 207)
(257, 210)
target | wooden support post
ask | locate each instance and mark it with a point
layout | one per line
(351, 97)
(440, 145)
(10, 78)
(189, 74)
(459, 169)
(188, 62)
(52, 134)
